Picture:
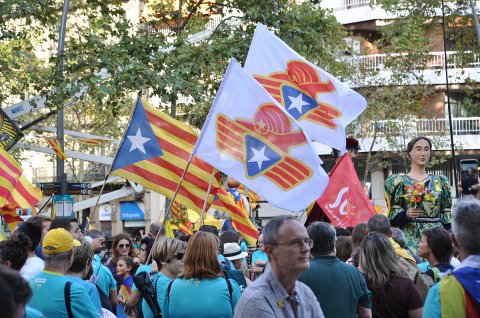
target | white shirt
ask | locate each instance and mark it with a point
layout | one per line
(32, 267)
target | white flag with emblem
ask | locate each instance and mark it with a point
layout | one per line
(321, 104)
(248, 136)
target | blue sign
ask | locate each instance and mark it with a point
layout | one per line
(63, 205)
(131, 210)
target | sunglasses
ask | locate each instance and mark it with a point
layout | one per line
(178, 256)
(124, 245)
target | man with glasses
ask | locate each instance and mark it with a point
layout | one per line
(277, 293)
(339, 287)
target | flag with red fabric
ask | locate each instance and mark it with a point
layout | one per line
(344, 201)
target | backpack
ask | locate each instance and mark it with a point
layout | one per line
(148, 290)
(413, 272)
(237, 276)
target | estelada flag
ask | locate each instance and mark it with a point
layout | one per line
(55, 145)
(321, 104)
(250, 137)
(155, 152)
(344, 201)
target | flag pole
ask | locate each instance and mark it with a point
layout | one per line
(115, 157)
(41, 209)
(205, 202)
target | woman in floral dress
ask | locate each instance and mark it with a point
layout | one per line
(417, 200)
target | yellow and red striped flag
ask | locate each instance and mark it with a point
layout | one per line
(239, 217)
(24, 194)
(55, 145)
(10, 216)
(179, 213)
(155, 152)
(10, 171)
(93, 141)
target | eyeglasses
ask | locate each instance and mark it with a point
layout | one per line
(178, 256)
(298, 243)
(124, 245)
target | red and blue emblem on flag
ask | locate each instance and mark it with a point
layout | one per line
(322, 105)
(296, 89)
(263, 145)
(253, 139)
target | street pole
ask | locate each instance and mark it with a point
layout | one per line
(475, 20)
(60, 122)
(452, 144)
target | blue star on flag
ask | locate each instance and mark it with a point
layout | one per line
(260, 156)
(140, 142)
(297, 103)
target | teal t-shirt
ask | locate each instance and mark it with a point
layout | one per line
(261, 255)
(32, 313)
(204, 298)
(48, 297)
(91, 291)
(103, 278)
(340, 288)
(160, 281)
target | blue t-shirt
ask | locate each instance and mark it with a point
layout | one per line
(432, 307)
(48, 297)
(259, 255)
(160, 281)
(103, 278)
(91, 291)
(32, 313)
(204, 298)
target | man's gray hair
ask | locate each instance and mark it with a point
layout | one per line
(323, 236)
(399, 237)
(270, 231)
(466, 224)
(53, 260)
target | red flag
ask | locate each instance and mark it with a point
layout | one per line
(344, 201)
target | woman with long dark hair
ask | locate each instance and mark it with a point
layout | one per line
(393, 294)
(418, 200)
(122, 245)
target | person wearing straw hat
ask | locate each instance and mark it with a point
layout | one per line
(233, 252)
(53, 295)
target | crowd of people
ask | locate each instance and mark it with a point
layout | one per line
(295, 272)
(422, 260)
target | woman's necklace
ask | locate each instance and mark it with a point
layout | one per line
(418, 180)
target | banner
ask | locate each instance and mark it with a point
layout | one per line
(344, 201)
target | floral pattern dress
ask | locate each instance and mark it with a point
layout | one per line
(435, 211)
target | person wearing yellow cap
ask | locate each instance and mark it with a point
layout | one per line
(53, 295)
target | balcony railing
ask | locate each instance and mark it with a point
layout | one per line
(350, 4)
(436, 60)
(438, 126)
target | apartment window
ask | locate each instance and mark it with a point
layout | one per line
(463, 105)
